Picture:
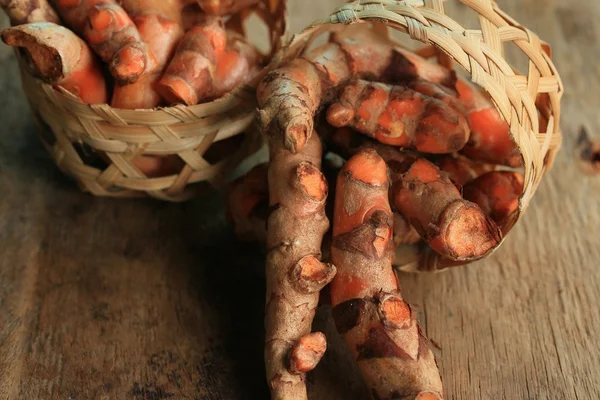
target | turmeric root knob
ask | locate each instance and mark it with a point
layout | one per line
(307, 353)
(311, 275)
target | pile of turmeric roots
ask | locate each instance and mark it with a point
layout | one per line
(136, 54)
(428, 160)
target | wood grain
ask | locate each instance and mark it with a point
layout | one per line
(136, 299)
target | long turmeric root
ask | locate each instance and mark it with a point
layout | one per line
(399, 116)
(26, 11)
(490, 139)
(295, 274)
(452, 226)
(61, 58)
(224, 7)
(289, 97)
(189, 76)
(110, 33)
(497, 193)
(462, 170)
(379, 327)
(161, 34)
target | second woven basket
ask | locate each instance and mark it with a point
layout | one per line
(529, 101)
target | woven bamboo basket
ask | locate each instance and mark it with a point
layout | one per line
(96, 144)
(529, 101)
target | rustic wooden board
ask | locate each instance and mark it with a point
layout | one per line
(137, 299)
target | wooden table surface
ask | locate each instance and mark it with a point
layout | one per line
(138, 299)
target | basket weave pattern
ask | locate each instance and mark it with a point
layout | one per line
(529, 101)
(119, 135)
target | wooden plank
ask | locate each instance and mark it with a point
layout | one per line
(137, 299)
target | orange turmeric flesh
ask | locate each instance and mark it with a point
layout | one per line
(497, 193)
(462, 170)
(378, 326)
(490, 139)
(399, 116)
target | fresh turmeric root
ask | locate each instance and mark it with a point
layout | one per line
(379, 327)
(26, 11)
(59, 57)
(248, 203)
(497, 193)
(111, 34)
(452, 226)
(161, 32)
(225, 7)
(238, 64)
(289, 97)
(462, 170)
(490, 139)
(189, 76)
(294, 272)
(399, 116)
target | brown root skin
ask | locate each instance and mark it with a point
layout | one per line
(497, 193)
(189, 76)
(377, 324)
(295, 229)
(27, 11)
(399, 116)
(60, 57)
(289, 97)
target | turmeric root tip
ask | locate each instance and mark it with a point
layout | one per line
(189, 76)
(453, 227)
